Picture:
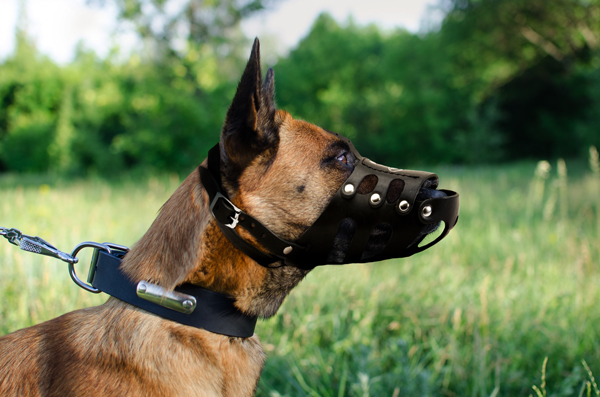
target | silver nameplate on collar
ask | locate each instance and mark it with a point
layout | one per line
(170, 299)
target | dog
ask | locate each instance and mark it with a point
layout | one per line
(281, 170)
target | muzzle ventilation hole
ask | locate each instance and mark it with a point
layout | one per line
(342, 240)
(367, 185)
(394, 191)
(378, 240)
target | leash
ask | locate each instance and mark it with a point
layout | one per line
(187, 304)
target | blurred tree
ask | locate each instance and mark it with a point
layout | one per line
(30, 90)
(193, 54)
(392, 94)
(60, 148)
(493, 41)
(528, 63)
(171, 25)
(480, 88)
(500, 79)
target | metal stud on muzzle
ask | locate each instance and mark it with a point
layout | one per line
(377, 213)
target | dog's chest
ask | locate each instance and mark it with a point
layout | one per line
(221, 366)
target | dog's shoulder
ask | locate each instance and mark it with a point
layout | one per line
(115, 349)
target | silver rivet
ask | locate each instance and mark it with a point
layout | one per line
(287, 250)
(141, 288)
(188, 304)
(403, 206)
(427, 211)
(375, 198)
(349, 188)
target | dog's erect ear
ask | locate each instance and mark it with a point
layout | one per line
(250, 127)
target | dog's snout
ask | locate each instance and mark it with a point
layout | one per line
(427, 193)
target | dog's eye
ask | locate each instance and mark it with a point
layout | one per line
(342, 157)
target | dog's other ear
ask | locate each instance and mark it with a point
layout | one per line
(250, 127)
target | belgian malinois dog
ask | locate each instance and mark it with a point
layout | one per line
(282, 171)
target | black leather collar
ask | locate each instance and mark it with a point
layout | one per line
(214, 312)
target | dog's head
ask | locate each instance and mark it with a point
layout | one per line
(309, 194)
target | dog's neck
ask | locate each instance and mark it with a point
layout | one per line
(184, 245)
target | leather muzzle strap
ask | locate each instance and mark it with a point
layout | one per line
(229, 217)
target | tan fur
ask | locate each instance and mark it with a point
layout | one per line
(118, 350)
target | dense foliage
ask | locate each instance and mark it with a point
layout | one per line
(104, 116)
(498, 80)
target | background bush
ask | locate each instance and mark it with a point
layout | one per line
(496, 81)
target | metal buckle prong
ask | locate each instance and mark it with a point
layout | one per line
(235, 219)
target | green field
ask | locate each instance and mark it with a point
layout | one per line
(516, 282)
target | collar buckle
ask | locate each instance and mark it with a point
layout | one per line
(225, 211)
(235, 219)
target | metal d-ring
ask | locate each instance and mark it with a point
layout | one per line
(76, 280)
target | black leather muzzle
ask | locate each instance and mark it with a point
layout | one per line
(377, 213)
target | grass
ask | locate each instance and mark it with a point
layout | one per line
(506, 305)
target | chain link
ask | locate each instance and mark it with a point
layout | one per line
(12, 235)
